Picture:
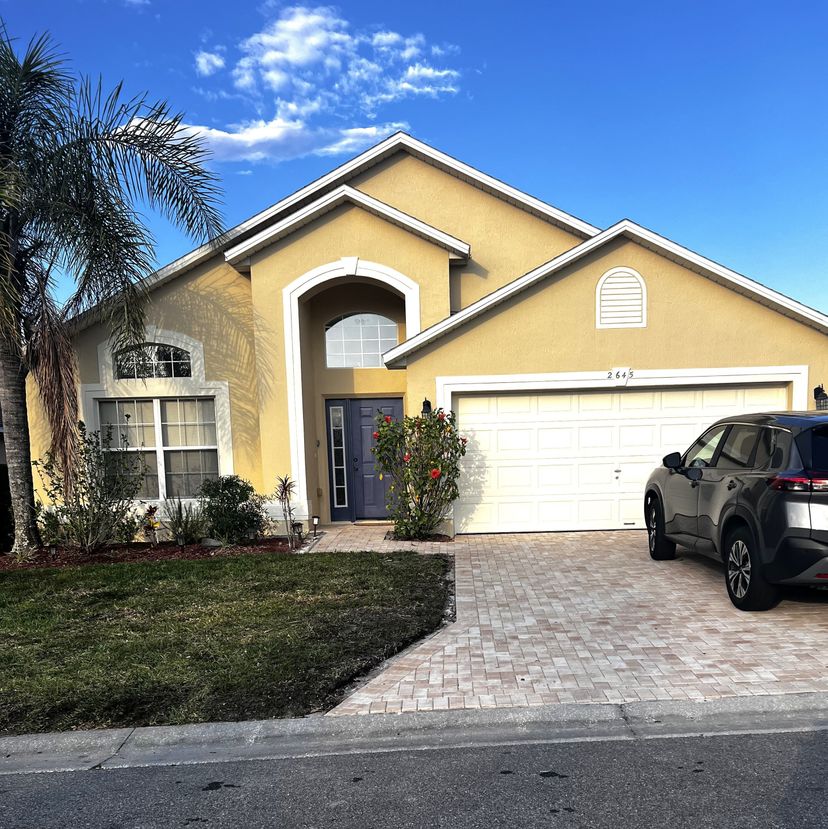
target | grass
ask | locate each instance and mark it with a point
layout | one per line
(176, 642)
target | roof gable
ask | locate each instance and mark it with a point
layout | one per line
(624, 229)
(240, 254)
(397, 142)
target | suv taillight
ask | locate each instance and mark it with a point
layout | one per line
(798, 483)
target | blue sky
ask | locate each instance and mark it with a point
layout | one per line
(704, 121)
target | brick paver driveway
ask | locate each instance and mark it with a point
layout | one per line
(588, 617)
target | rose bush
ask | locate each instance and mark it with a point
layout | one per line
(421, 455)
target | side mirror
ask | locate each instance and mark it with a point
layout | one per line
(672, 461)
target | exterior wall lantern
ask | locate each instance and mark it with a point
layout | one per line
(821, 398)
(427, 406)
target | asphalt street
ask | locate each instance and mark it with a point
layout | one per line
(750, 780)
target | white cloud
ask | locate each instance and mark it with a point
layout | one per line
(323, 81)
(208, 63)
(280, 139)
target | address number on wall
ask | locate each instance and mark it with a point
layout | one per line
(619, 376)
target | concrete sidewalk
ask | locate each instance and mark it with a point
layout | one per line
(324, 736)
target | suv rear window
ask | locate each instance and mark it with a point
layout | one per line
(819, 448)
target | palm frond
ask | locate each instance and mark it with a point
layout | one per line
(51, 359)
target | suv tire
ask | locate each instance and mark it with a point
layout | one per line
(661, 548)
(746, 584)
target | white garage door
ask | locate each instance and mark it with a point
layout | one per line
(580, 461)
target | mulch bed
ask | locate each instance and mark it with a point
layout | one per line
(118, 554)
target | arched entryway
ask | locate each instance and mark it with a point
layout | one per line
(309, 415)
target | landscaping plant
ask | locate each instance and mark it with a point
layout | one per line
(97, 507)
(185, 523)
(421, 455)
(232, 510)
(285, 490)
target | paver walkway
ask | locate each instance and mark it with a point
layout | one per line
(589, 617)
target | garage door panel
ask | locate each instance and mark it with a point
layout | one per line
(516, 439)
(599, 436)
(549, 461)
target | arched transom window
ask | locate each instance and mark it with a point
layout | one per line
(621, 300)
(359, 340)
(152, 360)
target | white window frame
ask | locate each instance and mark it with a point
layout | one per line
(108, 388)
(160, 448)
(599, 287)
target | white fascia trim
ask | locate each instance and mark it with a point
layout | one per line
(345, 268)
(448, 387)
(456, 247)
(638, 234)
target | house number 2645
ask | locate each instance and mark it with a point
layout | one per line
(620, 376)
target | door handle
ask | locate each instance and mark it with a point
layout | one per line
(694, 484)
(731, 484)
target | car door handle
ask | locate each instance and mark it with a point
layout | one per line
(694, 484)
(731, 484)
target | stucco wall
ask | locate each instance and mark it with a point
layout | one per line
(347, 231)
(692, 322)
(506, 241)
(211, 304)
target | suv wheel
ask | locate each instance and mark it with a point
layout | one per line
(746, 585)
(661, 548)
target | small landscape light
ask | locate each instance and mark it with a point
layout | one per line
(315, 522)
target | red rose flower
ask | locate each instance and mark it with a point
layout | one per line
(376, 435)
(441, 416)
(464, 441)
(407, 457)
(435, 473)
(388, 418)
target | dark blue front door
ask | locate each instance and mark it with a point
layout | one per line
(356, 490)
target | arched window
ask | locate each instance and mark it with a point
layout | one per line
(359, 340)
(621, 300)
(152, 360)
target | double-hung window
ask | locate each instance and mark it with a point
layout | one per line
(176, 438)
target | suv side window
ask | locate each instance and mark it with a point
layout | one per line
(703, 450)
(737, 451)
(773, 449)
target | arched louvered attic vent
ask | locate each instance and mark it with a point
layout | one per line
(621, 300)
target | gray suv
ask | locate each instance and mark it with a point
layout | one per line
(752, 492)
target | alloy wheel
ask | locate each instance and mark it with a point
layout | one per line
(738, 569)
(652, 524)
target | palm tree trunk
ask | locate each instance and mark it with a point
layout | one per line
(18, 449)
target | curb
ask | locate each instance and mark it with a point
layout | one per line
(320, 736)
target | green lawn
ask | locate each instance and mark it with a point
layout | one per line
(193, 641)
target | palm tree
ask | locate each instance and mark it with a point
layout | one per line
(76, 165)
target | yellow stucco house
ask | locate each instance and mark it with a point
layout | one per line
(575, 357)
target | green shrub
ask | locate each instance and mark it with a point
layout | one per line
(421, 455)
(232, 509)
(186, 523)
(97, 507)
